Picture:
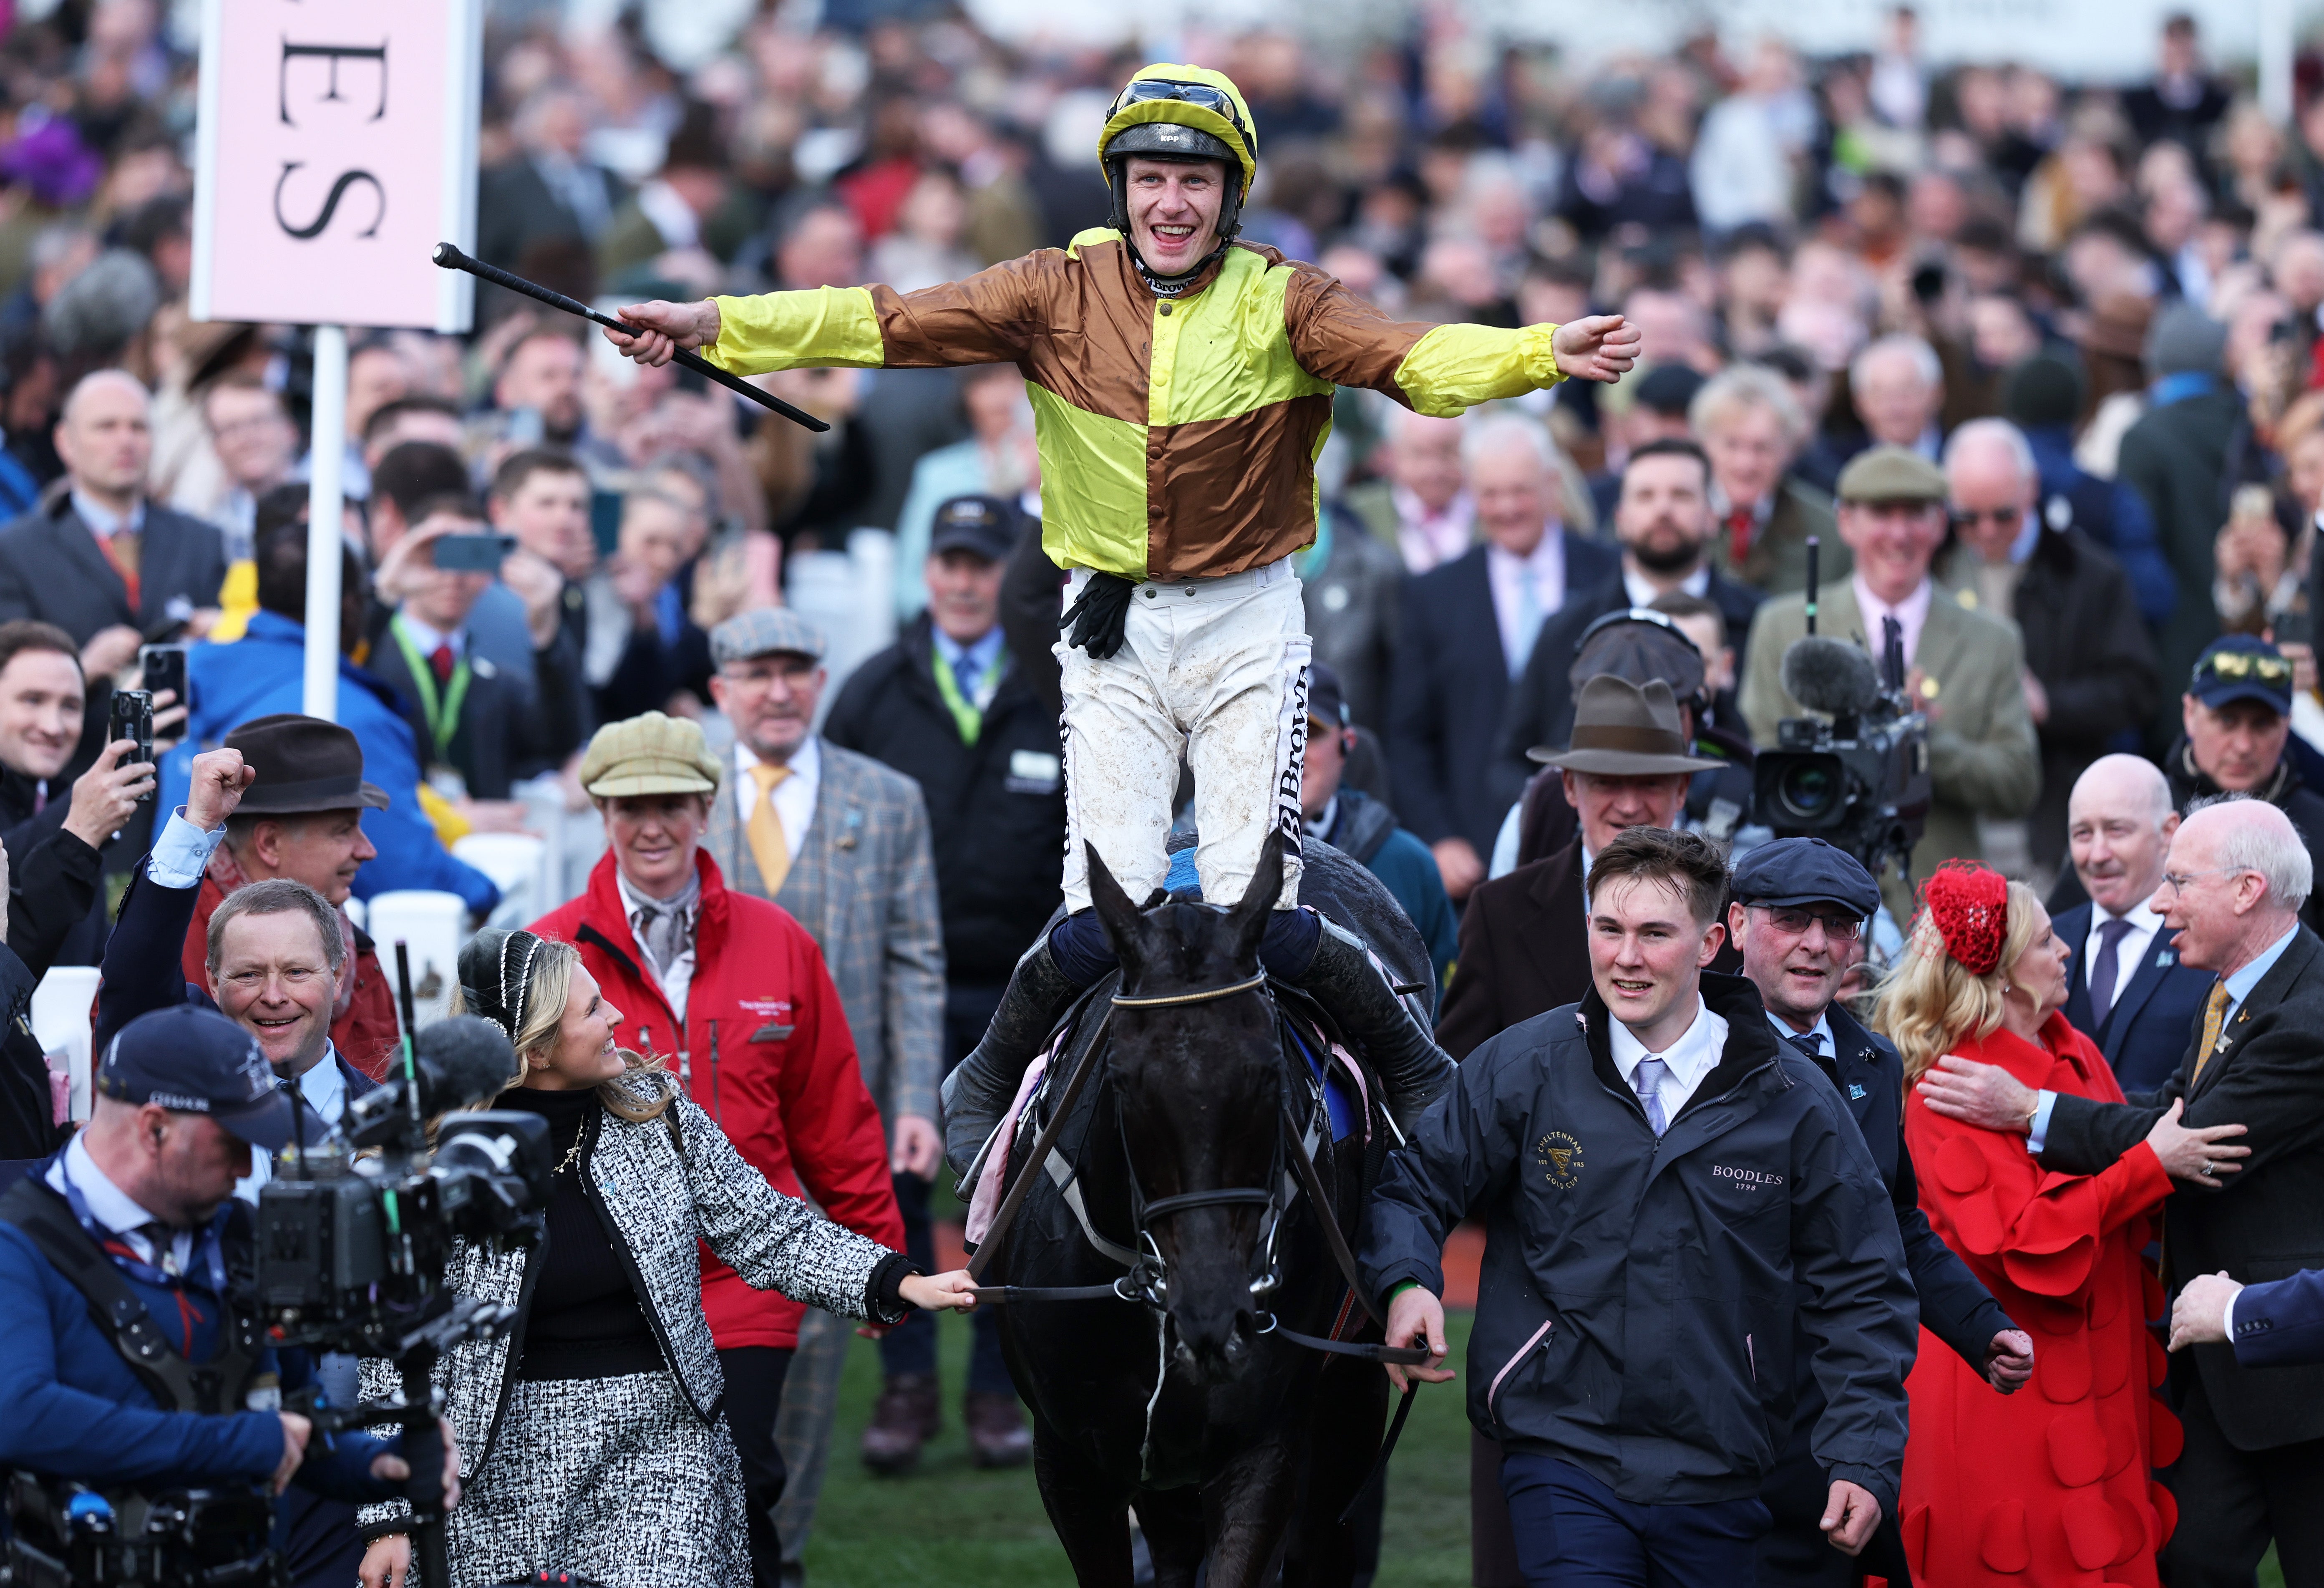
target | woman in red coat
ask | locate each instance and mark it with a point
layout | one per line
(2051, 1486)
(732, 995)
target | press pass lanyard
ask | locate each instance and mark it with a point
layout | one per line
(443, 721)
(966, 714)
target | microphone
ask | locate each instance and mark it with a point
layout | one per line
(1831, 675)
(462, 1061)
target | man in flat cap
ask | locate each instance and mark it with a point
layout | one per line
(1964, 668)
(1798, 912)
(712, 980)
(843, 843)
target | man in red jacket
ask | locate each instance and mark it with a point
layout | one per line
(732, 992)
(302, 819)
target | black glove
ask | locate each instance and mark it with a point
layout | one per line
(1102, 615)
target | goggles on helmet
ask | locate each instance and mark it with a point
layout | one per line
(1209, 98)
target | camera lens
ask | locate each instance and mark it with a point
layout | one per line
(1808, 789)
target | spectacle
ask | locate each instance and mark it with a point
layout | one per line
(1969, 518)
(2177, 881)
(1839, 929)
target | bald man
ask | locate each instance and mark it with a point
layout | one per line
(95, 557)
(2252, 1079)
(2088, 673)
(2130, 994)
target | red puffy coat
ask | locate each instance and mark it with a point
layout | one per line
(786, 1086)
(2053, 1485)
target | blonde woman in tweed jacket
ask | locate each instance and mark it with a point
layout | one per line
(594, 1434)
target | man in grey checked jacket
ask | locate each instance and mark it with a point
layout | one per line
(842, 843)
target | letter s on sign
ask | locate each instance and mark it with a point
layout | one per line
(347, 179)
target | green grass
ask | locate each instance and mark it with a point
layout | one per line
(950, 1523)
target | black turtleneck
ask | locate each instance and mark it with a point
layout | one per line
(585, 1321)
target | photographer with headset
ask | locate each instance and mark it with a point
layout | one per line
(137, 1383)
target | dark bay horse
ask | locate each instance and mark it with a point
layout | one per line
(1176, 1180)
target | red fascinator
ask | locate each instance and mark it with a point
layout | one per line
(1969, 904)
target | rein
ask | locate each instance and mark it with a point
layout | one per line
(1200, 995)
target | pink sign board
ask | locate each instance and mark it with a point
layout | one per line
(336, 146)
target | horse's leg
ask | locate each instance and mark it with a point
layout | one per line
(1091, 1515)
(1250, 1505)
(1174, 1532)
(1343, 1439)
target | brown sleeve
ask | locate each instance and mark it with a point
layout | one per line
(1338, 336)
(989, 317)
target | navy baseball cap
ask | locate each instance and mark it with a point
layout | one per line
(1326, 702)
(981, 526)
(2242, 666)
(1804, 870)
(196, 1061)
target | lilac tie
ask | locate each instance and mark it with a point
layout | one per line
(2104, 971)
(1648, 1081)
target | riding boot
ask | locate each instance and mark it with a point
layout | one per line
(1413, 1071)
(982, 1086)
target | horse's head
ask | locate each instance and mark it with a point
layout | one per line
(1201, 1092)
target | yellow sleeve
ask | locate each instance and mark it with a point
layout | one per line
(450, 825)
(828, 327)
(1454, 368)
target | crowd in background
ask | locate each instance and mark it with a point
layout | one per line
(2039, 366)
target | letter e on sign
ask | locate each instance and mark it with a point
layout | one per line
(336, 146)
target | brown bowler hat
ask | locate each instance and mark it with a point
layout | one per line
(1626, 730)
(303, 765)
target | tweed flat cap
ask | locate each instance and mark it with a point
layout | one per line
(1891, 473)
(764, 631)
(648, 754)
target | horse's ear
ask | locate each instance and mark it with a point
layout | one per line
(1249, 918)
(1115, 912)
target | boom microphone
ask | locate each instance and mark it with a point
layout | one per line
(1831, 675)
(463, 1061)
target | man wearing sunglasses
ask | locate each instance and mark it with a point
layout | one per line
(1798, 915)
(2237, 721)
(1182, 386)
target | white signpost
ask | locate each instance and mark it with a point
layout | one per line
(337, 147)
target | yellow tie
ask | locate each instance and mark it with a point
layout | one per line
(769, 847)
(2214, 1014)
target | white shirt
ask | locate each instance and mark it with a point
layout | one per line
(1911, 615)
(324, 1088)
(676, 979)
(1427, 539)
(105, 525)
(112, 1207)
(1508, 575)
(671, 216)
(1820, 1031)
(1695, 1053)
(794, 796)
(1643, 593)
(425, 639)
(2130, 954)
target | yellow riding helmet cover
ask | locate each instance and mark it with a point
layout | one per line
(1242, 139)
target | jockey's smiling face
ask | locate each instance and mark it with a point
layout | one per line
(1174, 211)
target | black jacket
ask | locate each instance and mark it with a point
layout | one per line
(1351, 613)
(2092, 651)
(509, 730)
(2282, 788)
(2264, 1223)
(1638, 1301)
(996, 807)
(56, 909)
(28, 1127)
(53, 569)
(1540, 699)
(2147, 1029)
(1451, 687)
(2176, 457)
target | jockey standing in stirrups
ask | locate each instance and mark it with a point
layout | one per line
(1182, 388)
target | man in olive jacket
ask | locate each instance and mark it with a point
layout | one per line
(1668, 1192)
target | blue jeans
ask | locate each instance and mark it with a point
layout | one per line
(1573, 1532)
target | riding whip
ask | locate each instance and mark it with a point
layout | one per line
(448, 257)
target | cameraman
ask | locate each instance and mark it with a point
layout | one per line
(137, 1220)
(1965, 668)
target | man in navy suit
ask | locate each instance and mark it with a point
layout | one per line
(2276, 1323)
(2128, 992)
(1469, 627)
(1799, 908)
